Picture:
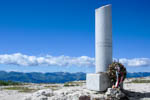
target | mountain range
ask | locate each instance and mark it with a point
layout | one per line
(53, 77)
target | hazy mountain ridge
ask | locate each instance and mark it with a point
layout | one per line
(54, 77)
(37, 77)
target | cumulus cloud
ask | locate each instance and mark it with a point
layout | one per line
(63, 61)
(25, 60)
(136, 62)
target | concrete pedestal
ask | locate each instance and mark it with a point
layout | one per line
(97, 82)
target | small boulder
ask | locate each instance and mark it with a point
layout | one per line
(84, 97)
(114, 93)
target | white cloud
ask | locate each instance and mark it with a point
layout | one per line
(83, 61)
(136, 62)
(25, 60)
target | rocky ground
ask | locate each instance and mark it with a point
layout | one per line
(134, 89)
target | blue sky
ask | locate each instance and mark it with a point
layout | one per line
(67, 27)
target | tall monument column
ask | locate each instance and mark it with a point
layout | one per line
(99, 81)
(103, 38)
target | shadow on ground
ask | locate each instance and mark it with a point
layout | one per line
(132, 95)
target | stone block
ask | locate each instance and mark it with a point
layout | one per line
(97, 82)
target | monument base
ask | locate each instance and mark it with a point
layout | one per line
(97, 82)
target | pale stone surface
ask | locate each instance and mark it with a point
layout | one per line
(40, 95)
(135, 91)
(97, 82)
(66, 93)
(114, 93)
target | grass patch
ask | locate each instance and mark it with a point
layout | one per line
(73, 84)
(53, 87)
(7, 83)
(20, 89)
(140, 81)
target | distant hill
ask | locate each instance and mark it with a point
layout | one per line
(37, 77)
(55, 77)
(138, 74)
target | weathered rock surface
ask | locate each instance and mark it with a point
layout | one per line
(66, 93)
(40, 95)
(76, 91)
(114, 93)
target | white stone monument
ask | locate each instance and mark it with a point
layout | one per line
(99, 81)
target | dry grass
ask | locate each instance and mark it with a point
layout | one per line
(53, 87)
(75, 83)
(140, 81)
(20, 89)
